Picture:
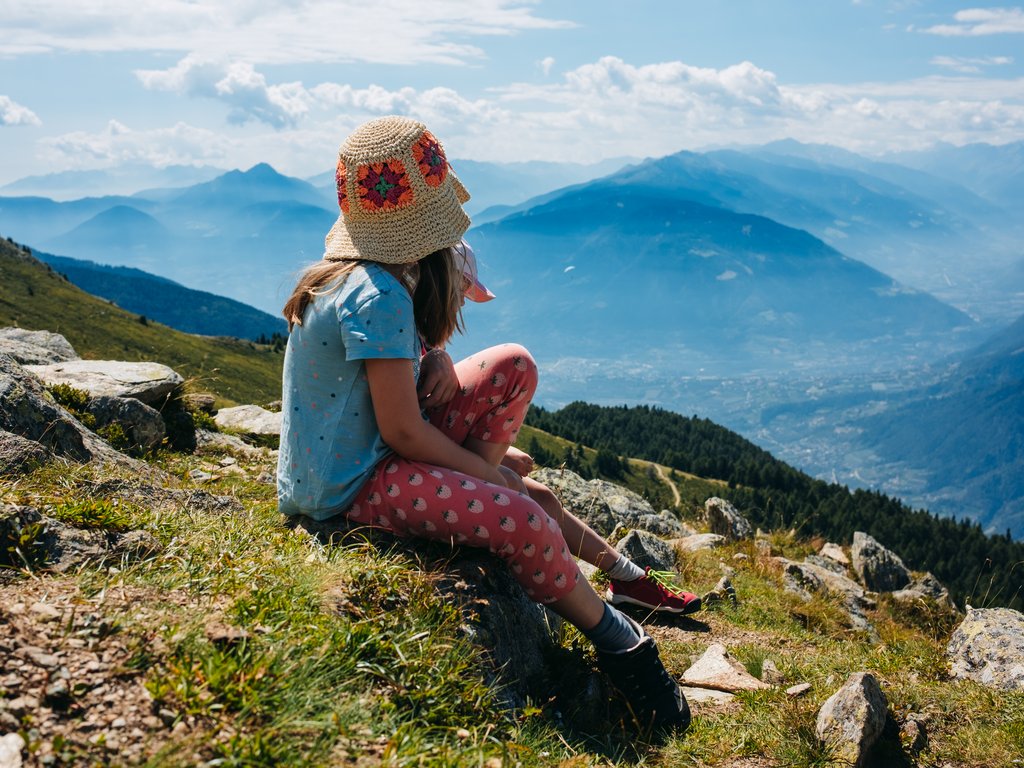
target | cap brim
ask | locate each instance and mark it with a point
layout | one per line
(478, 292)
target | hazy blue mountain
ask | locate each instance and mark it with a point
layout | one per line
(123, 180)
(167, 302)
(634, 267)
(35, 219)
(965, 434)
(994, 172)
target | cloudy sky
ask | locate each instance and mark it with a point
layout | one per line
(97, 83)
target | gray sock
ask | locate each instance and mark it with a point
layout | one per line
(625, 569)
(613, 633)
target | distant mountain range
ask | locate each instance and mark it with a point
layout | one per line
(167, 302)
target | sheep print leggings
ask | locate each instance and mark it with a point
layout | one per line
(410, 498)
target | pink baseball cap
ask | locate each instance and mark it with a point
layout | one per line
(477, 291)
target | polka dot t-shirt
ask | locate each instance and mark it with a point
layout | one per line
(329, 437)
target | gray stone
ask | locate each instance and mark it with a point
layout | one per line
(35, 347)
(797, 690)
(143, 425)
(27, 410)
(805, 579)
(827, 563)
(723, 519)
(149, 382)
(988, 648)
(927, 588)
(851, 720)
(250, 420)
(879, 569)
(219, 441)
(19, 455)
(723, 592)
(697, 542)
(771, 674)
(647, 550)
(717, 669)
(603, 505)
(11, 745)
(59, 547)
(200, 401)
(834, 552)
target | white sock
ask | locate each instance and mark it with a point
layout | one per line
(625, 569)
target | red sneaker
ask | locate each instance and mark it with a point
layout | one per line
(652, 590)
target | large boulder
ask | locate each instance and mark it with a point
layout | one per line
(879, 569)
(28, 411)
(927, 588)
(852, 719)
(647, 550)
(988, 648)
(603, 505)
(35, 347)
(149, 382)
(143, 426)
(724, 519)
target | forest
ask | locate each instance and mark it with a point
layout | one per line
(983, 570)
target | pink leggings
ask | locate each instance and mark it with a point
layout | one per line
(411, 498)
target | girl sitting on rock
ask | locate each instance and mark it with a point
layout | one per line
(380, 426)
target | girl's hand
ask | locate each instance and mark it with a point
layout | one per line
(438, 381)
(518, 461)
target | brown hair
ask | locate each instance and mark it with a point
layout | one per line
(437, 300)
(434, 282)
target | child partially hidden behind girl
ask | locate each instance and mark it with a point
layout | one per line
(382, 428)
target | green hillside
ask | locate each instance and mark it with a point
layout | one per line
(977, 568)
(35, 297)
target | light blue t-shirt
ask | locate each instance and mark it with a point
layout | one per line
(329, 436)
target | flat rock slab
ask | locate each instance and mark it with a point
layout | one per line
(250, 419)
(707, 696)
(718, 670)
(148, 382)
(697, 542)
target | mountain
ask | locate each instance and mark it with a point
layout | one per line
(996, 172)
(167, 302)
(125, 179)
(962, 438)
(635, 267)
(33, 295)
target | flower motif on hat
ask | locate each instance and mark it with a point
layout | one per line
(383, 186)
(431, 159)
(340, 179)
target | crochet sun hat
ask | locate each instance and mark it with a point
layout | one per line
(399, 198)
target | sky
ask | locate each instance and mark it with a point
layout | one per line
(99, 83)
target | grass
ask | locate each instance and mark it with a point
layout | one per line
(33, 296)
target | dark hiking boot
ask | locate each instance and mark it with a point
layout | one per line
(653, 696)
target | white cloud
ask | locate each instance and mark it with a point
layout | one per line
(264, 31)
(117, 143)
(974, 22)
(546, 64)
(13, 113)
(969, 65)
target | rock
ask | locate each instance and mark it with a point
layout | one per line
(771, 674)
(60, 547)
(645, 549)
(10, 750)
(988, 648)
(706, 696)
(834, 552)
(149, 382)
(200, 401)
(35, 347)
(926, 587)
(723, 592)
(827, 563)
(218, 441)
(913, 734)
(804, 579)
(250, 420)
(718, 670)
(27, 410)
(603, 505)
(723, 519)
(853, 718)
(698, 541)
(879, 569)
(143, 425)
(797, 690)
(18, 455)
